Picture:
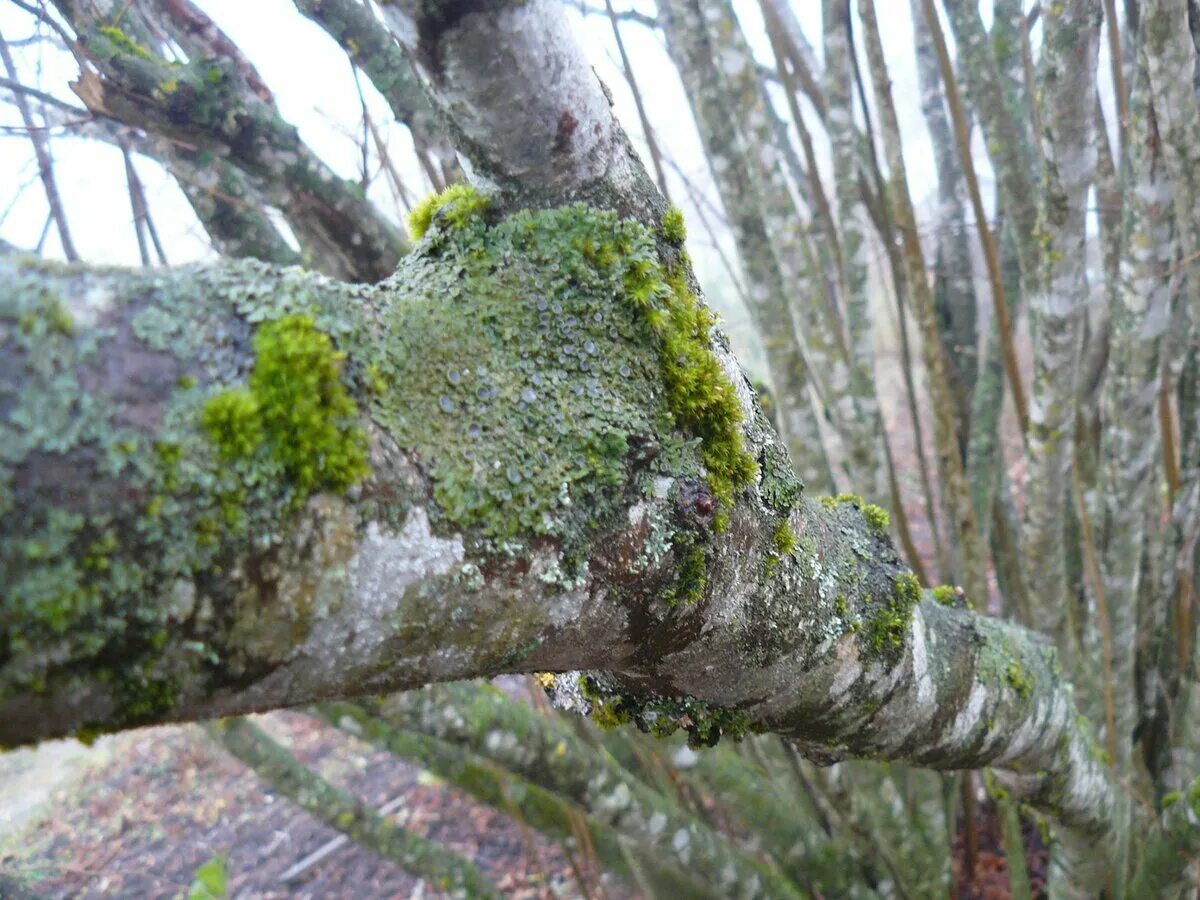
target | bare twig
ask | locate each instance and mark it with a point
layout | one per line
(41, 149)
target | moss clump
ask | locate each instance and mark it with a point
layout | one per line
(876, 517)
(888, 625)
(783, 542)
(692, 578)
(124, 43)
(661, 717)
(234, 421)
(1018, 680)
(784, 539)
(295, 407)
(835, 500)
(945, 594)
(674, 231)
(457, 205)
(699, 394)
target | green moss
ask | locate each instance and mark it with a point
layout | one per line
(836, 500)
(704, 723)
(701, 398)
(692, 577)
(887, 626)
(456, 205)
(1018, 680)
(234, 421)
(124, 43)
(295, 407)
(876, 517)
(674, 231)
(945, 594)
(784, 539)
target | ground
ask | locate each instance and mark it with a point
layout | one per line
(136, 815)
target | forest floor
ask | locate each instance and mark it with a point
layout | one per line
(137, 814)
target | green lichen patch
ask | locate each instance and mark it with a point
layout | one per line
(294, 408)
(456, 206)
(887, 626)
(534, 363)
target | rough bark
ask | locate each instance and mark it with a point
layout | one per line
(1068, 87)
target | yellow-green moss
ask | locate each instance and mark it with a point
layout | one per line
(692, 578)
(296, 407)
(674, 231)
(888, 625)
(457, 204)
(700, 396)
(945, 594)
(1018, 680)
(784, 539)
(123, 42)
(876, 517)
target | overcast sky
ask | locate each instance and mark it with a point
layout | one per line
(315, 91)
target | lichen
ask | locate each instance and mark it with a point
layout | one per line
(295, 408)
(546, 338)
(456, 206)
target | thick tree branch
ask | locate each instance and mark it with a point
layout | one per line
(232, 488)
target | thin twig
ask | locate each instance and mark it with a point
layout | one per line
(41, 149)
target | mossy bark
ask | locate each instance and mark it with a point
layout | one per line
(542, 476)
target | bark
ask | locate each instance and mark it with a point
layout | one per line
(1012, 157)
(1068, 86)
(237, 487)
(950, 466)
(809, 272)
(372, 48)
(549, 755)
(486, 779)
(954, 276)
